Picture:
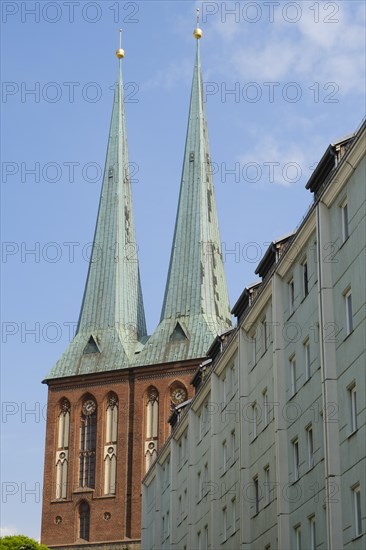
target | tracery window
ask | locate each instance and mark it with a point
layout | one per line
(88, 432)
(110, 446)
(62, 452)
(151, 433)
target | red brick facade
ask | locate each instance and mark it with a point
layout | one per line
(114, 519)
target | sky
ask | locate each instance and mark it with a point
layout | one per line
(282, 80)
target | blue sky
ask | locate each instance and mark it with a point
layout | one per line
(296, 76)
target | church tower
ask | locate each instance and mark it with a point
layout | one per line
(112, 392)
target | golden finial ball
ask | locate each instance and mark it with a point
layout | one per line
(197, 33)
(120, 53)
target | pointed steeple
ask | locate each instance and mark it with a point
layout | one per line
(196, 298)
(112, 319)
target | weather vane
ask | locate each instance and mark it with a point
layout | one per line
(197, 33)
(120, 53)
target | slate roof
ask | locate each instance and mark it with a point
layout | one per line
(112, 318)
(196, 304)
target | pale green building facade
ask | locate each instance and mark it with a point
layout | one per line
(271, 451)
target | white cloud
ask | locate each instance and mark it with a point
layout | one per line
(8, 531)
(289, 162)
(305, 51)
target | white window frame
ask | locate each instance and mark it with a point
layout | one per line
(357, 517)
(345, 220)
(291, 295)
(256, 494)
(352, 393)
(233, 446)
(312, 528)
(307, 359)
(292, 362)
(267, 486)
(305, 277)
(224, 456)
(224, 523)
(310, 444)
(205, 540)
(349, 313)
(255, 420)
(296, 458)
(254, 349)
(297, 530)
(265, 408)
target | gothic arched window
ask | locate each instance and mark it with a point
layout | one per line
(84, 520)
(88, 437)
(151, 426)
(62, 452)
(110, 446)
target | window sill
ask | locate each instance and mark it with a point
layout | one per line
(60, 500)
(83, 490)
(352, 433)
(343, 243)
(358, 536)
(348, 335)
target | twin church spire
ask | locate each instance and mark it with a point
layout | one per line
(111, 332)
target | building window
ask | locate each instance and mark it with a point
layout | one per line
(88, 438)
(307, 362)
(205, 480)
(232, 380)
(267, 486)
(310, 444)
(62, 453)
(233, 446)
(264, 335)
(293, 375)
(305, 278)
(312, 533)
(233, 514)
(265, 408)
(352, 395)
(345, 225)
(180, 509)
(291, 296)
(256, 495)
(357, 510)
(255, 421)
(298, 537)
(254, 349)
(224, 391)
(205, 538)
(296, 459)
(199, 486)
(349, 316)
(110, 447)
(224, 523)
(151, 426)
(84, 520)
(224, 456)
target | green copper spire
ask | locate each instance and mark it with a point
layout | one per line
(196, 305)
(112, 319)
